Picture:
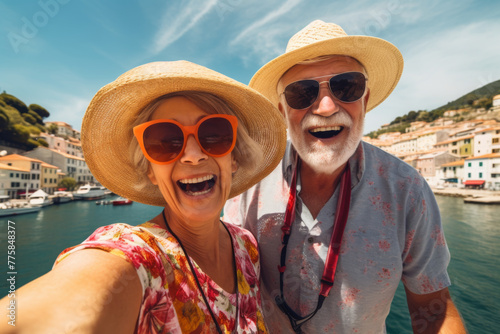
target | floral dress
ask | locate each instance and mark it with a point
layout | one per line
(172, 302)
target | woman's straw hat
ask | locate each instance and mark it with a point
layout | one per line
(382, 60)
(107, 124)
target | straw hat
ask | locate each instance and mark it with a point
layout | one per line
(382, 60)
(107, 124)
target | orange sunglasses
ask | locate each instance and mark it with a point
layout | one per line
(163, 141)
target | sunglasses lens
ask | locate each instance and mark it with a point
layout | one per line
(216, 136)
(301, 94)
(163, 141)
(348, 87)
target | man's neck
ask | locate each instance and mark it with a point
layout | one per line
(317, 188)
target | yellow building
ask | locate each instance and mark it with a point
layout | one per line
(49, 178)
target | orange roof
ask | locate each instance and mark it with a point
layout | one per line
(49, 166)
(454, 163)
(486, 156)
(63, 153)
(489, 129)
(12, 157)
(454, 140)
(4, 166)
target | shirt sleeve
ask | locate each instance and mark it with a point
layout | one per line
(134, 244)
(425, 255)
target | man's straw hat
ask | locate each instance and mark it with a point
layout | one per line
(107, 124)
(382, 60)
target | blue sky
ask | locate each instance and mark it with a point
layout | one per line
(58, 53)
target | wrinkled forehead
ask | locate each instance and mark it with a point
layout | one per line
(323, 65)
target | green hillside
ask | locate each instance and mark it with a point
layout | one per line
(478, 98)
(19, 123)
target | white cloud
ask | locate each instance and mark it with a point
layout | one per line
(176, 24)
(440, 68)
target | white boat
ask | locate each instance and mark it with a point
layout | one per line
(40, 198)
(62, 197)
(17, 208)
(89, 193)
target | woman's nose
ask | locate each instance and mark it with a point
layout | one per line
(193, 153)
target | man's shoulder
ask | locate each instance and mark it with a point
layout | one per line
(378, 160)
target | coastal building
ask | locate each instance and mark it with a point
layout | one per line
(65, 130)
(483, 171)
(487, 141)
(451, 172)
(49, 178)
(460, 146)
(71, 165)
(34, 168)
(13, 181)
(495, 103)
(427, 138)
(68, 145)
(428, 164)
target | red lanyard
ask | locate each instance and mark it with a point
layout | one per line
(332, 258)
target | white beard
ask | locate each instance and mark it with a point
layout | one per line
(325, 159)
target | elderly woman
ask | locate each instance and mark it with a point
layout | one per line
(180, 136)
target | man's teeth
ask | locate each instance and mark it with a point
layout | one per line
(328, 128)
(197, 179)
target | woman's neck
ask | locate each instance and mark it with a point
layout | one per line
(208, 243)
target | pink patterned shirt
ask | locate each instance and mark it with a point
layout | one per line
(393, 234)
(172, 302)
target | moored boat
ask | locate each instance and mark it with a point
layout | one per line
(89, 193)
(17, 208)
(122, 201)
(40, 198)
(60, 197)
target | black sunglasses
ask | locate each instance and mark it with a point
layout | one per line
(346, 87)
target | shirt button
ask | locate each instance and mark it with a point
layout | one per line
(310, 240)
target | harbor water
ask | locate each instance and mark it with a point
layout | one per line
(472, 233)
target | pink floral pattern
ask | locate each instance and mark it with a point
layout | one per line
(171, 300)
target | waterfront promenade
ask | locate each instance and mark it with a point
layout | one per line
(471, 195)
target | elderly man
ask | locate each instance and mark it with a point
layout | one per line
(340, 222)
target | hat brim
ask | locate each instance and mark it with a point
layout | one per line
(382, 61)
(107, 124)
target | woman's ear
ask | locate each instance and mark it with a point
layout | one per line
(234, 164)
(151, 175)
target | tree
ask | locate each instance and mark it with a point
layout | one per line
(39, 110)
(13, 101)
(68, 183)
(52, 129)
(30, 119)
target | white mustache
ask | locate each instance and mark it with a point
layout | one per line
(341, 118)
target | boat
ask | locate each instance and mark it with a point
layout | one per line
(60, 197)
(17, 208)
(89, 193)
(122, 201)
(40, 198)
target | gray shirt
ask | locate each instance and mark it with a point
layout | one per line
(393, 233)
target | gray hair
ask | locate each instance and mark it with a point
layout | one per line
(247, 152)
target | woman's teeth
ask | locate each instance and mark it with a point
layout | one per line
(197, 186)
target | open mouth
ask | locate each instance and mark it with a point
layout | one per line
(197, 186)
(326, 132)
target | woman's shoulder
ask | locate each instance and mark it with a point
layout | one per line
(241, 233)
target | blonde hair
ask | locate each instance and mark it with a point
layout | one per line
(247, 151)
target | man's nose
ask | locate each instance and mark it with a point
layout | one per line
(325, 105)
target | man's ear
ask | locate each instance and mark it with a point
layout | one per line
(367, 96)
(151, 176)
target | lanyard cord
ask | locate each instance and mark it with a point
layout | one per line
(198, 282)
(328, 277)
